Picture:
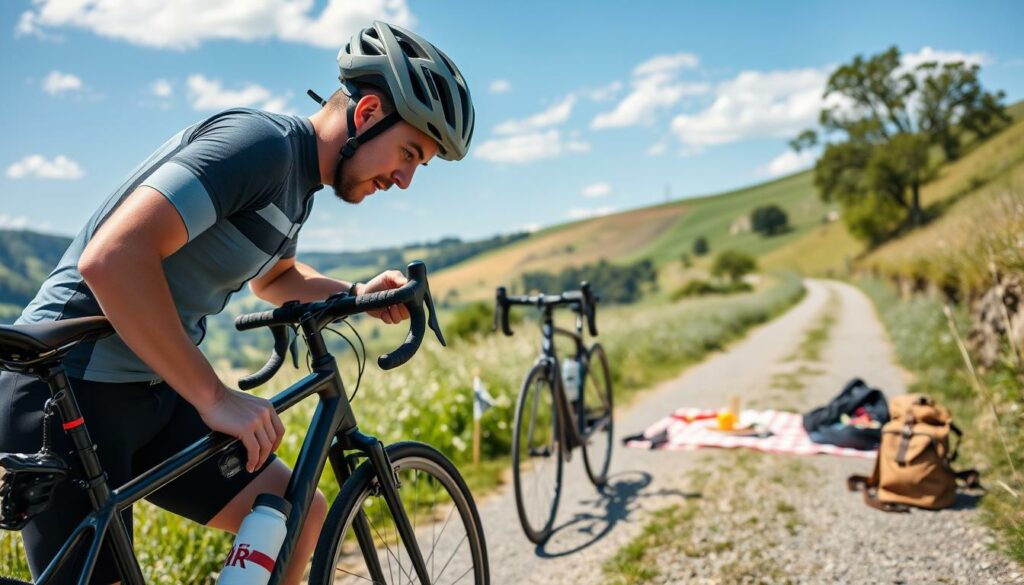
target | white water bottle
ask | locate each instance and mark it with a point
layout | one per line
(571, 378)
(259, 539)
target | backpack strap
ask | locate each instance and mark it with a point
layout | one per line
(868, 485)
(959, 439)
(971, 479)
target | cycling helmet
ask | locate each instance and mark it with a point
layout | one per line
(427, 89)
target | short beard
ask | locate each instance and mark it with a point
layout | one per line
(342, 186)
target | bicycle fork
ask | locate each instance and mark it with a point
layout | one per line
(387, 482)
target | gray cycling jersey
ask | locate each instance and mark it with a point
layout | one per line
(242, 182)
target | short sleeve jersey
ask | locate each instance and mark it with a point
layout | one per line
(243, 183)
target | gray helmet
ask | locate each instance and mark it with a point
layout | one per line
(426, 87)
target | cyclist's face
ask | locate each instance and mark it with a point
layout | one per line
(389, 159)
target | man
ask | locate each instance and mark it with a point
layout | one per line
(217, 206)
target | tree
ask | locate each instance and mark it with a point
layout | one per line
(734, 264)
(700, 246)
(881, 122)
(769, 220)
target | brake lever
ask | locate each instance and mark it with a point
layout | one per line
(293, 347)
(432, 317)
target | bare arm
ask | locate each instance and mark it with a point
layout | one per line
(122, 265)
(290, 280)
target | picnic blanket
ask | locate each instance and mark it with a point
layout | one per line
(689, 429)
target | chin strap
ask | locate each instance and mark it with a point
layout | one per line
(354, 141)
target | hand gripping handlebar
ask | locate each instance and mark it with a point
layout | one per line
(414, 294)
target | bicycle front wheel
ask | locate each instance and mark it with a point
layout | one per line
(440, 509)
(597, 416)
(537, 455)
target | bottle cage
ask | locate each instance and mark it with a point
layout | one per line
(26, 487)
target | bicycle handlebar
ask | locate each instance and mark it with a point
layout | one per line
(584, 301)
(413, 294)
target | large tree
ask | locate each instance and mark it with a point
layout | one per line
(886, 128)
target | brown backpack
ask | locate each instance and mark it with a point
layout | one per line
(914, 463)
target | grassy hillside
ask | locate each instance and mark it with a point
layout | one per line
(26, 259)
(662, 233)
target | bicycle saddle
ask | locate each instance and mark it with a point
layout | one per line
(31, 341)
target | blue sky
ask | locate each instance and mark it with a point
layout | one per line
(582, 107)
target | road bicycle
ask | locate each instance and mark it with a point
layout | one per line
(562, 405)
(403, 515)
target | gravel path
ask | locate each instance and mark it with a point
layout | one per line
(800, 524)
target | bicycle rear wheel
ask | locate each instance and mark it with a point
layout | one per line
(597, 409)
(440, 509)
(537, 455)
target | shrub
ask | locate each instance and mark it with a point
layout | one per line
(734, 264)
(769, 220)
(700, 246)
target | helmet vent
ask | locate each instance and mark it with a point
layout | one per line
(410, 49)
(445, 98)
(432, 82)
(417, 86)
(466, 108)
(433, 130)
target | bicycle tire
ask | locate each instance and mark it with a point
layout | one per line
(539, 381)
(354, 497)
(597, 403)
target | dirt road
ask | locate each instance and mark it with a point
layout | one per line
(838, 539)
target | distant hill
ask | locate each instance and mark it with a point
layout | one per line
(437, 255)
(26, 258)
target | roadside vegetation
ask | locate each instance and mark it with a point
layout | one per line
(988, 410)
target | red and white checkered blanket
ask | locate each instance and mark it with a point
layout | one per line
(687, 429)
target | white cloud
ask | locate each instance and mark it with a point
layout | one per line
(787, 162)
(577, 146)
(553, 116)
(500, 86)
(596, 190)
(161, 88)
(602, 94)
(521, 148)
(756, 104)
(210, 94)
(35, 166)
(655, 86)
(584, 213)
(186, 24)
(529, 147)
(927, 54)
(10, 222)
(657, 149)
(56, 83)
(531, 227)
(663, 64)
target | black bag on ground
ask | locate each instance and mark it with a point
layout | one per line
(822, 423)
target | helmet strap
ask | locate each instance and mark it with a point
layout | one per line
(354, 141)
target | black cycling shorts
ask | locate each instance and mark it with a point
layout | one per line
(135, 427)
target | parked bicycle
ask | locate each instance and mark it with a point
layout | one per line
(403, 515)
(562, 405)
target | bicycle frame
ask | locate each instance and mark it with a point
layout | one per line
(575, 433)
(332, 431)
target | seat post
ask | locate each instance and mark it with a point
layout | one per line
(95, 481)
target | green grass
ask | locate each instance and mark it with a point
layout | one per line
(712, 216)
(429, 400)
(723, 521)
(993, 441)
